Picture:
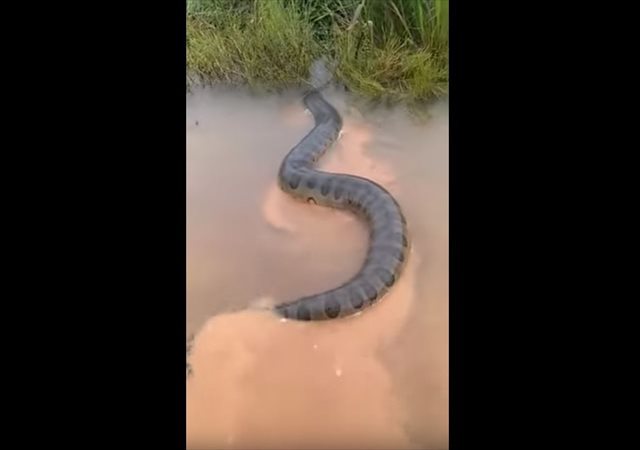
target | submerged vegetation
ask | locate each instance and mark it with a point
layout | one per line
(393, 50)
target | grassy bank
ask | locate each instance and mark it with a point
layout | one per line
(393, 50)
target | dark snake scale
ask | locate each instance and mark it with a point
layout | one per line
(388, 235)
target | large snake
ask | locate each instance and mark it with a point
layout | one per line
(388, 238)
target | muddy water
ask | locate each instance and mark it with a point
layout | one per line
(378, 380)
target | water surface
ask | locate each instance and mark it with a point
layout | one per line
(378, 380)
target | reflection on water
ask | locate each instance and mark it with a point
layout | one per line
(378, 380)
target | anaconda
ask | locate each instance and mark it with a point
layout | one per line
(388, 234)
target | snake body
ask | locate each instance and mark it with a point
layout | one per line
(388, 238)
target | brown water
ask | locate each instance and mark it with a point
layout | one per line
(378, 380)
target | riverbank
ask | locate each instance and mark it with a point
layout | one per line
(395, 51)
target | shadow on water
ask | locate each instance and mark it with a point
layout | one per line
(378, 380)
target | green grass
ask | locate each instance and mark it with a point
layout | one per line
(394, 50)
